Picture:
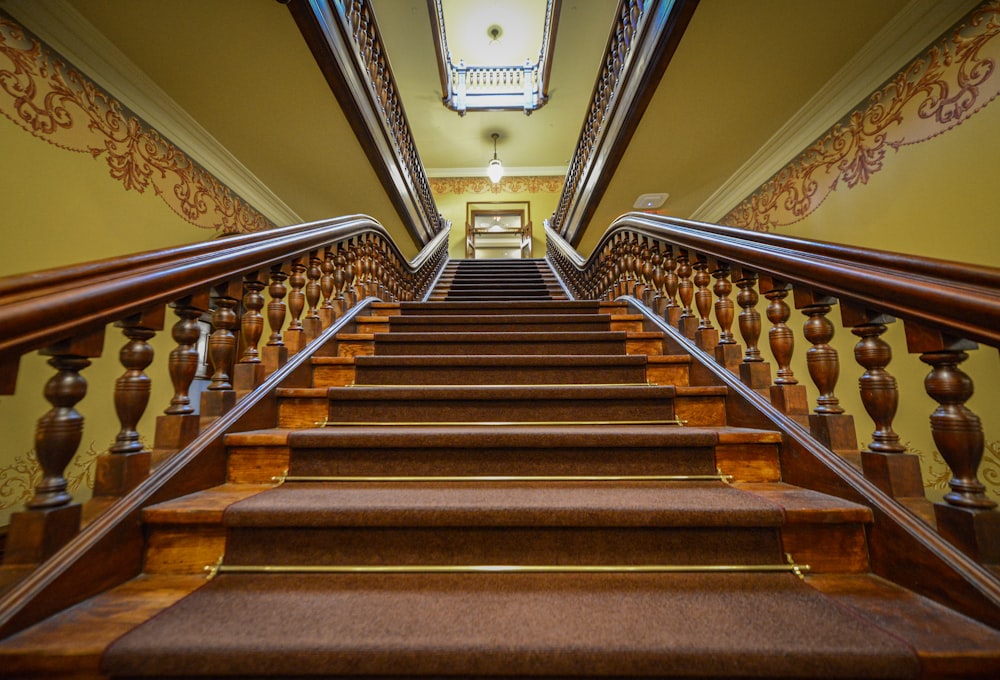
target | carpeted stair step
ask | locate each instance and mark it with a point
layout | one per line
(505, 307)
(479, 625)
(518, 343)
(493, 370)
(505, 523)
(504, 403)
(524, 323)
(746, 455)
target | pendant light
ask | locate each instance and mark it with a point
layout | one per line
(495, 169)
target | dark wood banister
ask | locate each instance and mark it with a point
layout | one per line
(349, 261)
(88, 296)
(344, 39)
(641, 44)
(945, 308)
(960, 298)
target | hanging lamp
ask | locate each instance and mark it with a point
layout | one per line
(495, 169)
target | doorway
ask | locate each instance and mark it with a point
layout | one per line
(498, 231)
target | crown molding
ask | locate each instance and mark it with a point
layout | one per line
(69, 33)
(508, 171)
(913, 28)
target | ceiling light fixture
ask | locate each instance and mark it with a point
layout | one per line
(495, 169)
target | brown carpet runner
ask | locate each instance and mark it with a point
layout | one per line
(677, 625)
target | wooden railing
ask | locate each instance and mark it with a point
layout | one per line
(642, 41)
(687, 273)
(301, 279)
(344, 38)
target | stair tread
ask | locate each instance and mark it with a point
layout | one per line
(509, 336)
(805, 505)
(598, 436)
(495, 360)
(507, 504)
(678, 624)
(73, 641)
(201, 507)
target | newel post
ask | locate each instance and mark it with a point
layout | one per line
(967, 517)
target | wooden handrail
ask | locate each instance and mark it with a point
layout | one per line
(946, 308)
(641, 43)
(43, 308)
(953, 296)
(329, 266)
(344, 39)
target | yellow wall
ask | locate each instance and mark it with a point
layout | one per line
(935, 199)
(62, 208)
(452, 195)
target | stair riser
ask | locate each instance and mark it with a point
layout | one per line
(450, 308)
(500, 375)
(348, 409)
(442, 347)
(478, 461)
(490, 545)
(183, 549)
(486, 326)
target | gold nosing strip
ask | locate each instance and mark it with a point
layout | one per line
(507, 478)
(496, 423)
(219, 568)
(628, 384)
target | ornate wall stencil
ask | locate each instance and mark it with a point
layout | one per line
(507, 185)
(46, 96)
(946, 84)
(19, 479)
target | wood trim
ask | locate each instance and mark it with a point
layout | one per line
(395, 161)
(657, 39)
(955, 297)
(902, 548)
(109, 551)
(53, 305)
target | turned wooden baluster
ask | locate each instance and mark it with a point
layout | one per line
(252, 323)
(702, 295)
(646, 273)
(786, 394)
(312, 324)
(59, 431)
(222, 342)
(672, 311)
(352, 272)
(967, 516)
(251, 371)
(296, 304)
(183, 361)
(780, 336)
(879, 393)
(957, 431)
(727, 352)
(658, 277)
(822, 359)
(276, 308)
(132, 388)
(328, 267)
(51, 518)
(829, 424)
(340, 281)
(685, 291)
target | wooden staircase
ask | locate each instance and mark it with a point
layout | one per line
(483, 486)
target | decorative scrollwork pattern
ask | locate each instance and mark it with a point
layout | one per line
(19, 479)
(946, 84)
(482, 185)
(46, 96)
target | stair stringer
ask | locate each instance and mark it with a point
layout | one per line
(110, 550)
(902, 548)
